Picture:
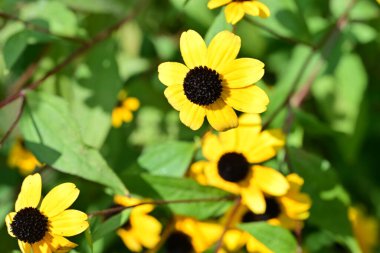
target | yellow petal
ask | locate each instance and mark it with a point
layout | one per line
(196, 172)
(250, 99)
(131, 103)
(125, 201)
(69, 223)
(129, 240)
(251, 8)
(59, 199)
(8, 221)
(264, 10)
(214, 179)
(265, 146)
(211, 147)
(192, 115)
(254, 199)
(212, 4)
(223, 49)
(234, 12)
(30, 193)
(242, 72)
(228, 140)
(41, 247)
(24, 247)
(117, 117)
(221, 116)
(270, 180)
(234, 240)
(59, 244)
(176, 96)
(171, 73)
(253, 245)
(142, 210)
(147, 229)
(193, 49)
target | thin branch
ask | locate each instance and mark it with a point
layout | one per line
(41, 29)
(80, 51)
(114, 210)
(14, 124)
(227, 225)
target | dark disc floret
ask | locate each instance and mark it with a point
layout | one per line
(233, 167)
(202, 85)
(29, 225)
(273, 210)
(179, 242)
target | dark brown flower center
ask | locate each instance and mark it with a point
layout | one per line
(179, 242)
(29, 225)
(233, 167)
(202, 85)
(273, 210)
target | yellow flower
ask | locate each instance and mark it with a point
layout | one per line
(42, 229)
(236, 9)
(230, 157)
(213, 82)
(191, 235)
(142, 229)
(288, 211)
(365, 229)
(123, 111)
(22, 158)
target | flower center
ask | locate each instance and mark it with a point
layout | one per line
(273, 210)
(233, 167)
(202, 85)
(29, 225)
(179, 242)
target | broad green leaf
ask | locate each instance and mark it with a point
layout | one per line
(110, 225)
(95, 93)
(339, 96)
(277, 239)
(61, 19)
(171, 158)
(363, 32)
(217, 26)
(365, 10)
(18, 42)
(53, 136)
(174, 189)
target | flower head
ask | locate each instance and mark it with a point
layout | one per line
(191, 235)
(22, 158)
(41, 228)
(123, 111)
(213, 82)
(236, 9)
(142, 229)
(288, 211)
(232, 162)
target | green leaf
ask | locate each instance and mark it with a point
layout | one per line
(277, 239)
(89, 239)
(340, 95)
(95, 93)
(214, 202)
(171, 158)
(61, 19)
(363, 33)
(111, 225)
(18, 42)
(54, 137)
(217, 26)
(311, 124)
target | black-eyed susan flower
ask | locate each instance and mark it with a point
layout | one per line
(365, 229)
(20, 157)
(123, 111)
(142, 230)
(288, 211)
(41, 228)
(232, 162)
(213, 82)
(236, 9)
(190, 235)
